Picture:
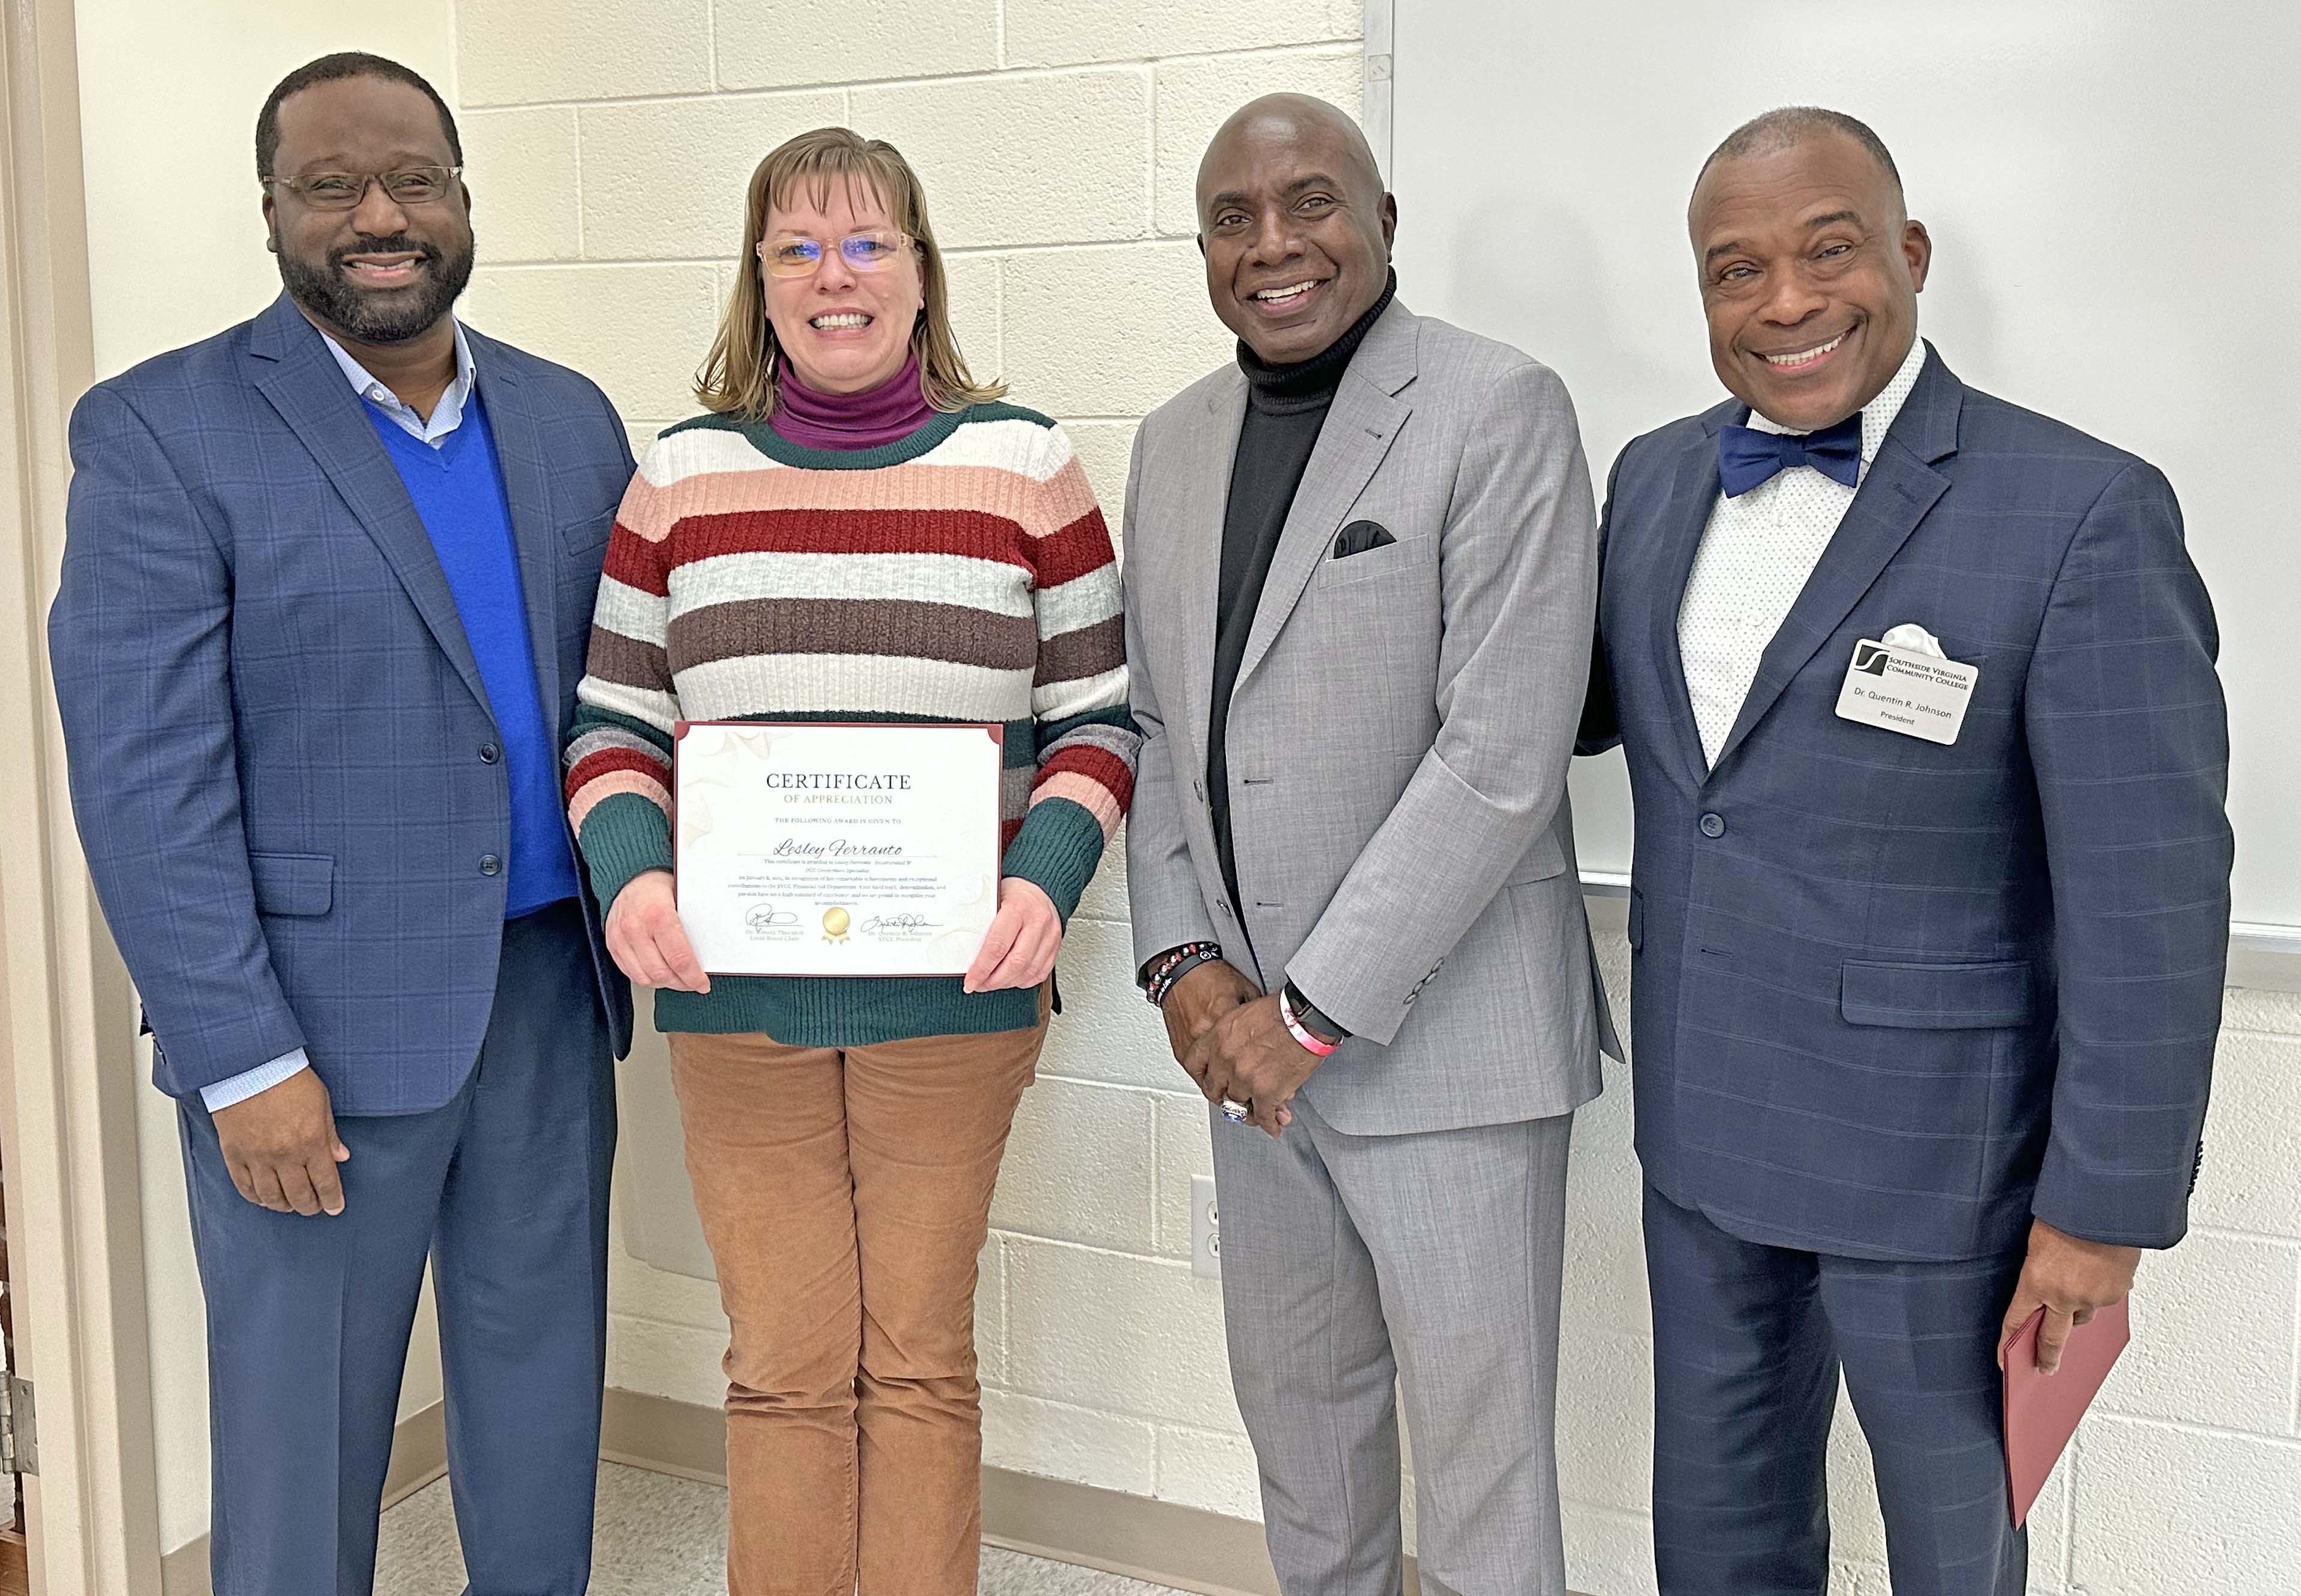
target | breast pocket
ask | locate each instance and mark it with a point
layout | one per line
(586, 536)
(1407, 554)
(293, 884)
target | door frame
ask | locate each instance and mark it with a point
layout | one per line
(68, 1047)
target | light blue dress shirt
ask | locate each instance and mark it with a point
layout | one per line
(446, 416)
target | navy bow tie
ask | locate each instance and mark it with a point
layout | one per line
(1748, 457)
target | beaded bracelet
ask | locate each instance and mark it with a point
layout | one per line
(1187, 959)
(1159, 969)
(1175, 964)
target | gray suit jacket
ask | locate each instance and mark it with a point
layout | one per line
(1400, 733)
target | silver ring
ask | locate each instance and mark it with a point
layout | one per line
(1236, 1112)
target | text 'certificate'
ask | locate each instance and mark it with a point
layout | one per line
(836, 849)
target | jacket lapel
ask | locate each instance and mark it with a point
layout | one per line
(302, 381)
(1694, 492)
(1205, 498)
(1896, 491)
(1359, 428)
(527, 490)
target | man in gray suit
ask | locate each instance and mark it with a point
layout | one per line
(1361, 570)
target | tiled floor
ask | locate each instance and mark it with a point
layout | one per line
(658, 1536)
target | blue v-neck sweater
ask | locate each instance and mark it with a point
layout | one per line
(459, 496)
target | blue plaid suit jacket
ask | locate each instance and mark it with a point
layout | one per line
(1890, 999)
(273, 720)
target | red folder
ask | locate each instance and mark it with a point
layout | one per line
(2041, 1411)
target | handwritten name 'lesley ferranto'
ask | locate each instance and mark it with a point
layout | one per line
(793, 847)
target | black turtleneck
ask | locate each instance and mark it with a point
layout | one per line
(1285, 407)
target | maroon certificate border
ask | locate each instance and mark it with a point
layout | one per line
(679, 730)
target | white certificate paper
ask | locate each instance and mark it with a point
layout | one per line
(836, 849)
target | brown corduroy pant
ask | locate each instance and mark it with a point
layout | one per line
(846, 1194)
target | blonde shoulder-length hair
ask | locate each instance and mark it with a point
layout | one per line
(739, 376)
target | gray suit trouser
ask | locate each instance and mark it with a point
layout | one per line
(1351, 1263)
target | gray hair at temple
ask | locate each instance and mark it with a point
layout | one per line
(1787, 125)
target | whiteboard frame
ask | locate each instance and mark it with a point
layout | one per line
(2261, 957)
(1379, 28)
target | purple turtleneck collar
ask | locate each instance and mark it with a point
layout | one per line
(893, 410)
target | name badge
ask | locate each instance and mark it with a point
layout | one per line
(1899, 688)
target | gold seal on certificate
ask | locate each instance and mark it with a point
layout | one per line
(818, 849)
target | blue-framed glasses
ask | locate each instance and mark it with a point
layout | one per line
(874, 250)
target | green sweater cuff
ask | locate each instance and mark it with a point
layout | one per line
(624, 835)
(1057, 850)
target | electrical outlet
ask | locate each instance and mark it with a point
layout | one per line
(1206, 1228)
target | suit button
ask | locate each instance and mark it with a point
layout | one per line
(1713, 825)
(489, 753)
(490, 865)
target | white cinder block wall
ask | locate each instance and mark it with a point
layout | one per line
(607, 143)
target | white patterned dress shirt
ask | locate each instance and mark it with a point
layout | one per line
(446, 416)
(1757, 552)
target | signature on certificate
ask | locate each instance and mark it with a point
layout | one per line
(765, 916)
(899, 923)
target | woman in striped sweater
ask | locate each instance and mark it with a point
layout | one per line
(856, 531)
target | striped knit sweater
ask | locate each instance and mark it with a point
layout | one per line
(961, 574)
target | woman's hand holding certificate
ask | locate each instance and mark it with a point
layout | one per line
(1019, 948)
(645, 940)
(834, 849)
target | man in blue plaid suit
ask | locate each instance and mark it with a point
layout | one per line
(326, 587)
(1931, 889)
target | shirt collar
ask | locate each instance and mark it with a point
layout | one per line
(446, 416)
(1877, 415)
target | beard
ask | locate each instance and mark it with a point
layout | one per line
(379, 316)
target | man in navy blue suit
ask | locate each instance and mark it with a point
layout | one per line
(327, 588)
(1931, 889)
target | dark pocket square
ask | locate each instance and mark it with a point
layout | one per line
(1361, 536)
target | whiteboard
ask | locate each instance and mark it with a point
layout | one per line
(2113, 193)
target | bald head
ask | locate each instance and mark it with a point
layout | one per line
(1294, 225)
(1294, 117)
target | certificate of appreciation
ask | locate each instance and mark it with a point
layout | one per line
(809, 849)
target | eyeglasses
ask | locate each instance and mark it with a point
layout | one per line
(344, 190)
(875, 250)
